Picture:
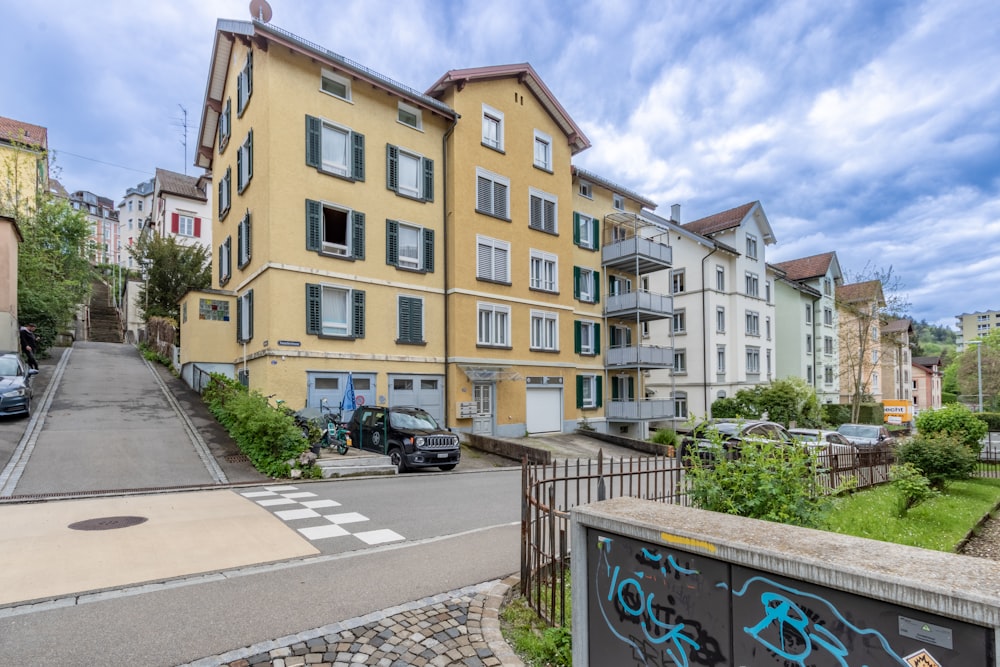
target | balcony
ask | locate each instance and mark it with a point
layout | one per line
(637, 255)
(643, 305)
(650, 408)
(643, 356)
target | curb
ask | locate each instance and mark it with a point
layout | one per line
(488, 606)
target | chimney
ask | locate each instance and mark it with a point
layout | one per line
(675, 213)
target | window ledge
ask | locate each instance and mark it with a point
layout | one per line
(543, 290)
(492, 215)
(494, 347)
(543, 350)
(343, 177)
(544, 231)
(494, 148)
(495, 282)
(400, 341)
(541, 167)
(333, 255)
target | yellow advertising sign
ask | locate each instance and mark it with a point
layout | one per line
(897, 411)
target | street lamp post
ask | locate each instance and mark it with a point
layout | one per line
(979, 368)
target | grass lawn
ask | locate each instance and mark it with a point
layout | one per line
(939, 524)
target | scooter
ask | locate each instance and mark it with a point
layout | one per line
(336, 434)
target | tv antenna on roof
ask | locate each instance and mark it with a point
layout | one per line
(260, 10)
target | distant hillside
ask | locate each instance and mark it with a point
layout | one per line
(931, 340)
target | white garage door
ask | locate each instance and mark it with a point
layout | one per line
(544, 413)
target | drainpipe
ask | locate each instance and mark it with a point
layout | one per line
(704, 324)
(444, 245)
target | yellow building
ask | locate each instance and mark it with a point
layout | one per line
(859, 306)
(429, 244)
(24, 166)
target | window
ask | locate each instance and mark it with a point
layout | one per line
(544, 331)
(644, 329)
(243, 241)
(544, 271)
(410, 115)
(543, 151)
(130, 205)
(827, 286)
(875, 386)
(809, 374)
(492, 194)
(828, 316)
(586, 284)
(680, 321)
(828, 375)
(492, 259)
(618, 202)
(409, 174)
(225, 192)
(751, 246)
(753, 323)
(677, 281)
(680, 361)
(410, 315)
(408, 246)
(767, 327)
(587, 337)
(335, 311)
(492, 128)
(225, 266)
(244, 317)
(720, 319)
(809, 344)
(875, 333)
(244, 163)
(336, 85)
(542, 209)
(494, 324)
(753, 360)
(681, 404)
(767, 291)
(720, 359)
(619, 336)
(588, 391)
(585, 190)
(827, 345)
(752, 284)
(720, 278)
(244, 85)
(333, 149)
(585, 231)
(183, 225)
(809, 313)
(335, 230)
(140, 204)
(874, 356)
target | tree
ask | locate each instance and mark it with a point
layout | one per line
(871, 298)
(784, 401)
(967, 370)
(172, 270)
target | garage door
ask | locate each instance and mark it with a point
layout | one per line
(423, 391)
(544, 413)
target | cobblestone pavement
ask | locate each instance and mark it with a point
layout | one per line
(987, 543)
(460, 627)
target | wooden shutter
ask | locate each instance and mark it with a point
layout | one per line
(314, 142)
(595, 231)
(314, 309)
(577, 346)
(391, 242)
(576, 282)
(314, 235)
(428, 235)
(403, 317)
(239, 320)
(579, 391)
(428, 179)
(631, 388)
(597, 338)
(614, 389)
(358, 156)
(358, 319)
(175, 224)
(249, 332)
(599, 392)
(249, 157)
(239, 169)
(392, 167)
(197, 227)
(597, 286)
(576, 228)
(357, 235)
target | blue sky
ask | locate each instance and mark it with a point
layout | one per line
(868, 128)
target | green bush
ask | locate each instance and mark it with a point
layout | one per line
(268, 436)
(766, 480)
(939, 457)
(784, 401)
(665, 437)
(992, 420)
(912, 487)
(836, 413)
(955, 420)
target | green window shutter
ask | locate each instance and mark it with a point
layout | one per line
(250, 158)
(597, 234)
(597, 338)
(577, 347)
(246, 239)
(614, 390)
(239, 170)
(358, 319)
(222, 276)
(391, 242)
(239, 243)
(579, 391)
(249, 332)
(416, 320)
(428, 179)
(628, 337)
(249, 75)
(411, 319)
(314, 141)
(314, 237)
(358, 151)
(429, 250)
(576, 228)
(239, 320)
(599, 390)
(239, 94)
(357, 235)
(403, 315)
(576, 282)
(392, 167)
(631, 388)
(314, 312)
(597, 286)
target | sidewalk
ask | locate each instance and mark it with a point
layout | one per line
(460, 627)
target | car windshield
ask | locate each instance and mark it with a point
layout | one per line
(412, 419)
(859, 431)
(8, 367)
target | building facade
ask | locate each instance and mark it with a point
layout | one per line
(24, 166)
(859, 307)
(102, 217)
(927, 373)
(975, 325)
(895, 360)
(134, 210)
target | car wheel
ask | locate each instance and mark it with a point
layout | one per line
(396, 456)
(450, 466)
(27, 409)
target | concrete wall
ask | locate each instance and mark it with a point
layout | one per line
(686, 586)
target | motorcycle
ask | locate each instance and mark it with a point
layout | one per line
(328, 423)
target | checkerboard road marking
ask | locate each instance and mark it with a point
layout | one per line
(305, 509)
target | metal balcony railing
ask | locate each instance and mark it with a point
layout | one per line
(637, 253)
(650, 408)
(647, 305)
(652, 356)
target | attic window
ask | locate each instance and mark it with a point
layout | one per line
(335, 85)
(410, 115)
(618, 202)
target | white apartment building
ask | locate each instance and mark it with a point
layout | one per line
(134, 208)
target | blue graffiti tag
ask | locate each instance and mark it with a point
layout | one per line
(787, 621)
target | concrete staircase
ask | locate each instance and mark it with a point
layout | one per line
(104, 324)
(354, 463)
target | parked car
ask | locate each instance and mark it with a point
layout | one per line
(410, 436)
(834, 450)
(15, 385)
(866, 435)
(733, 433)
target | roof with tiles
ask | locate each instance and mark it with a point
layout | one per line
(866, 291)
(896, 325)
(14, 130)
(189, 187)
(807, 267)
(720, 222)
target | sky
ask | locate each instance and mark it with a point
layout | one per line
(863, 127)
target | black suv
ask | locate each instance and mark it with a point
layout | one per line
(408, 435)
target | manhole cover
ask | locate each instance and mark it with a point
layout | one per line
(238, 458)
(108, 523)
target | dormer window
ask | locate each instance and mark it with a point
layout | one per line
(335, 85)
